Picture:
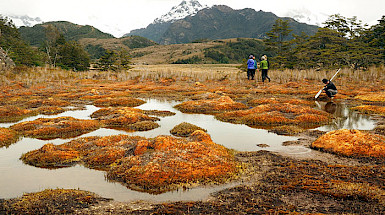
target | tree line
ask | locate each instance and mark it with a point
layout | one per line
(342, 42)
(56, 51)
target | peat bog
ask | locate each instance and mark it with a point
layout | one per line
(249, 147)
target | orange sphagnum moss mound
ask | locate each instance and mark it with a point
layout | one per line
(35, 103)
(7, 137)
(94, 152)
(224, 103)
(372, 97)
(184, 129)
(51, 128)
(370, 109)
(151, 165)
(51, 156)
(272, 100)
(14, 114)
(166, 163)
(352, 143)
(118, 102)
(125, 118)
(277, 115)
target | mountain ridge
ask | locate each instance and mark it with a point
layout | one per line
(218, 22)
(156, 29)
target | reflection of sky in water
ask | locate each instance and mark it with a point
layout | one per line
(18, 178)
(344, 118)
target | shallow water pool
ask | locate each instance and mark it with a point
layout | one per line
(17, 178)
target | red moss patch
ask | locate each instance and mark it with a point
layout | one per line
(277, 115)
(61, 127)
(352, 143)
(14, 114)
(224, 103)
(118, 102)
(7, 137)
(125, 118)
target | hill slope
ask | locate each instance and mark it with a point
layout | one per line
(37, 34)
(93, 40)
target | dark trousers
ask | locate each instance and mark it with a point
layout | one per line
(250, 74)
(264, 75)
(330, 93)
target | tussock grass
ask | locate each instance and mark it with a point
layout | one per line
(194, 73)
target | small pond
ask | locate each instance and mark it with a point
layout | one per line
(18, 178)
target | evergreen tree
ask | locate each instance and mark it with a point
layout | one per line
(66, 54)
(348, 27)
(106, 62)
(16, 48)
(277, 36)
(73, 56)
(375, 37)
(276, 41)
(114, 60)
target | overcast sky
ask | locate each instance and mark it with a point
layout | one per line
(120, 16)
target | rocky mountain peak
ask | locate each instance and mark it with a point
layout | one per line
(184, 9)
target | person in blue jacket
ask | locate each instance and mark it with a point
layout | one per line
(250, 68)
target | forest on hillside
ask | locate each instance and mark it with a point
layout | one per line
(342, 42)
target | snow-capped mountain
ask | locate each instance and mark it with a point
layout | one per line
(306, 16)
(184, 9)
(24, 20)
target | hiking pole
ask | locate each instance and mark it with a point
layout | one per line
(319, 92)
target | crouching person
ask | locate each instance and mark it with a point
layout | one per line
(330, 89)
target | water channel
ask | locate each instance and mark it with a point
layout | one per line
(18, 178)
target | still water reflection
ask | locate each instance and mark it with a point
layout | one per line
(17, 178)
(344, 118)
